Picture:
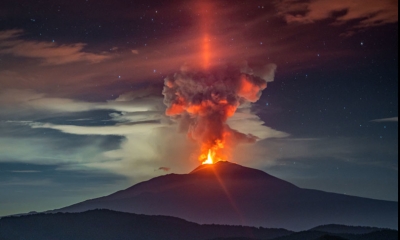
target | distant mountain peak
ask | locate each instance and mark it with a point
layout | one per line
(234, 171)
(228, 193)
(216, 166)
(225, 167)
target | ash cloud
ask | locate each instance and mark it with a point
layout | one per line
(201, 101)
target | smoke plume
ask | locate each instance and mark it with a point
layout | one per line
(202, 101)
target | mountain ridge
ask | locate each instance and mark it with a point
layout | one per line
(107, 224)
(228, 193)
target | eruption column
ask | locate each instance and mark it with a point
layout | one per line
(202, 101)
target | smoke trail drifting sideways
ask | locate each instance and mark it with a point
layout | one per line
(202, 101)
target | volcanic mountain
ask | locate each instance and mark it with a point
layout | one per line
(228, 193)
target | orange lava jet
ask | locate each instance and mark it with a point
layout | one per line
(213, 154)
(209, 159)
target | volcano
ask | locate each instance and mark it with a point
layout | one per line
(228, 193)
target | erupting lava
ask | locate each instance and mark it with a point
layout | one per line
(212, 152)
(210, 158)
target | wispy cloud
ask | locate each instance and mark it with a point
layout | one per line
(149, 139)
(134, 107)
(119, 130)
(275, 152)
(366, 13)
(24, 182)
(25, 171)
(392, 119)
(51, 53)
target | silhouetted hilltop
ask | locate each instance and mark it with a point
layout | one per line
(107, 224)
(319, 235)
(336, 228)
(315, 235)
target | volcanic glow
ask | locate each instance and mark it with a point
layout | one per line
(204, 10)
(206, 51)
(202, 99)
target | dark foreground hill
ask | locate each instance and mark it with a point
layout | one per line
(317, 235)
(227, 193)
(109, 225)
(335, 228)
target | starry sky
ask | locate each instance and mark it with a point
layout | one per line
(82, 114)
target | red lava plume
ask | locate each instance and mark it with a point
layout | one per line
(202, 101)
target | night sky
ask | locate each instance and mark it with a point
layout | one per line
(81, 104)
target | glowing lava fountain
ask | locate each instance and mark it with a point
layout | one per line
(210, 158)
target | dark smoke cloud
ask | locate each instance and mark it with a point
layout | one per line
(202, 101)
(165, 169)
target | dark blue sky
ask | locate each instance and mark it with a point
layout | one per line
(82, 114)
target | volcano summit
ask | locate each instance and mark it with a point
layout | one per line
(228, 193)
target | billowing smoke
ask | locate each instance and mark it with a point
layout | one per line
(202, 101)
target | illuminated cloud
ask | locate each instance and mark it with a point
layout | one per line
(10, 34)
(275, 152)
(246, 121)
(25, 101)
(148, 139)
(366, 13)
(51, 53)
(119, 130)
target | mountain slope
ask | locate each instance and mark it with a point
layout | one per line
(227, 193)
